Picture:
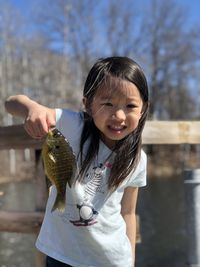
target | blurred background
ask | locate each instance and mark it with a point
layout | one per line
(46, 50)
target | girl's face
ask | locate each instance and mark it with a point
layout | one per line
(116, 111)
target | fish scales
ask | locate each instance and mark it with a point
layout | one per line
(59, 164)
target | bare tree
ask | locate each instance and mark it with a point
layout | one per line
(10, 26)
(52, 64)
(122, 28)
(70, 27)
(170, 47)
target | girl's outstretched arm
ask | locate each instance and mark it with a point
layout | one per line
(128, 204)
(37, 118)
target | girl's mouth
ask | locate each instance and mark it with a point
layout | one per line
(116, 128)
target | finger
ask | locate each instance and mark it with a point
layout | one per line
(42, 129)
(29, 131)
(51, 121)
(33, 130)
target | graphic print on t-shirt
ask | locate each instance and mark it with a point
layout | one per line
(93, 184)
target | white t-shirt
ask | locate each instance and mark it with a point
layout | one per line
(91, 231)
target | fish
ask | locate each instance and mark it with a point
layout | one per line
(59, 164)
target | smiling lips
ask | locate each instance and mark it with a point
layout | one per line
(116, 128)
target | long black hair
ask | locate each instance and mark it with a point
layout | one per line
(127, 150)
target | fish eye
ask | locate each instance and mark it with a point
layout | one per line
(57, 147)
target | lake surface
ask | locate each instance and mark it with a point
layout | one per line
(162, 214)
(162, 224)
(17, 250)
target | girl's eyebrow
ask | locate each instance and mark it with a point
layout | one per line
(105, 97)
(135, 98)
(110, 97)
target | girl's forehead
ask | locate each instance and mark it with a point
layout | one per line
(117, 87)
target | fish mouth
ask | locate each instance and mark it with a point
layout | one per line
(52, 129)
(54, 133)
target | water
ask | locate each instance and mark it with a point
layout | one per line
(17, 250)
(162, 215)
(161, 210)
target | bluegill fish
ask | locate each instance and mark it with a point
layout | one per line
(59, 164)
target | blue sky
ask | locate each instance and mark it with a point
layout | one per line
(193, 7)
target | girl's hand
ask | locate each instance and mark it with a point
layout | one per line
(39, 120)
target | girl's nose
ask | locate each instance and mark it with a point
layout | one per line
(119, 115)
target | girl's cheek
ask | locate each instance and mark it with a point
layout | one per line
(103, 111)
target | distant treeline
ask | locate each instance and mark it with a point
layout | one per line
(47, 55)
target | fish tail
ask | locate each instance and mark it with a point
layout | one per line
(59, 203)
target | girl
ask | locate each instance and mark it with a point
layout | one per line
(98, 226)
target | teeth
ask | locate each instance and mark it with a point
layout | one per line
(117, 128)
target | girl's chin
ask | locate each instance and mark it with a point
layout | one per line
(111, 139)
(116, 134)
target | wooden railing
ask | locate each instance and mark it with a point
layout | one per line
(15, 137)
(155, 132)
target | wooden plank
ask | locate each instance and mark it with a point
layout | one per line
(20, 222)
(155, 132)
(171, 132)
(16, 137)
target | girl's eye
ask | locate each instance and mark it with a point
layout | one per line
(131, 106)
(108, 104)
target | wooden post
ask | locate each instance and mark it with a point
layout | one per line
(41, 187)
(20, 222)
(40, 259)
(41, 199)
(12, 161)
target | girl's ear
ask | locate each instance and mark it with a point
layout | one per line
(144, 109)
(84, 100)
(86, 105)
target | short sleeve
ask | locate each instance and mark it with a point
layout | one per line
(138, 178)
(70, 124)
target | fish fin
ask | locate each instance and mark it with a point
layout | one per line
(59, 203)
(48, 182)
(74, 174)
(52, 157)
(69, 184)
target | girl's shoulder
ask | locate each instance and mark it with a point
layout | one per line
(143, 158)
(68, 120)
(70, 124)
(68, 114)
(137, 177)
